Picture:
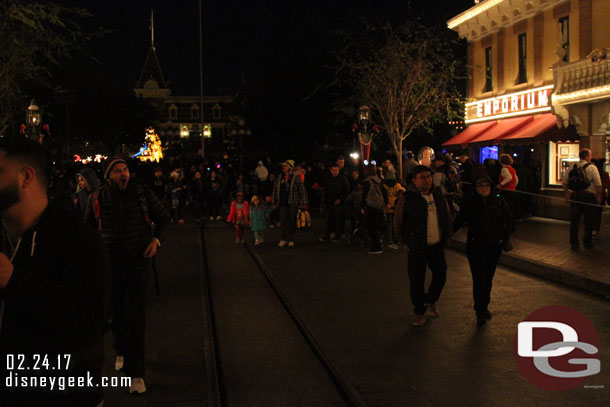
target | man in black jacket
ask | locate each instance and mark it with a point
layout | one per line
(425, 228)
(336, 191)
(55, 287)
(123, 212)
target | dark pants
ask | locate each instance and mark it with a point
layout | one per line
(483, 259)
(335, 221)
(288, 222)
(433, 257)
(374, 225)
(576, 211)
(129, 286)
(389, 228)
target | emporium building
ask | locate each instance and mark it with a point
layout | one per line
(539, 85)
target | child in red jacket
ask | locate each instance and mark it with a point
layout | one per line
(238, 216)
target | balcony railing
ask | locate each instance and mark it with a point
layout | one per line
(584, 80)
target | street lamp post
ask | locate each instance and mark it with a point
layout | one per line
(364, 136)
(33, 118)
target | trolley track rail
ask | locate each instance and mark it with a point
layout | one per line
(214, 373)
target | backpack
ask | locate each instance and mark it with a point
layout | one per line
(577, 178)
(374, 199)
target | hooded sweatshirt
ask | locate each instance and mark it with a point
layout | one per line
(57, 299)
(81, 196)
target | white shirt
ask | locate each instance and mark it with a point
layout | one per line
(434, 232)
(591, 173)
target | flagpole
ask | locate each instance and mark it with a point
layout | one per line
(201, 78)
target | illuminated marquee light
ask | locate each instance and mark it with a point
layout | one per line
(513, 104)
(590, 93)
(472, 12)
(504, 116)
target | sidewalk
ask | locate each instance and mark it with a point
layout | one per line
(542, 248)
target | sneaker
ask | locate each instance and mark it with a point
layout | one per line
(432, 311)
(218, 217)
(393, 246)
(324, 239)
(137, 386)
(291, 244)
(282, 243)
(257, 242)
(419, 320)
(375, 251)
(118, 363)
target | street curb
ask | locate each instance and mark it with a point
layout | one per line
(556, 274)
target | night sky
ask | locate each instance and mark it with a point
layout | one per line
(277, 51)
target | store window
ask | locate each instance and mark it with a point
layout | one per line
(488, 78)
(561, 157)
(564, 40)
(522, 78)
(488, 152)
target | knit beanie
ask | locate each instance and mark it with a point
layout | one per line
(110, 163)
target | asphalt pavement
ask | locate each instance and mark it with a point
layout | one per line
(357, 307)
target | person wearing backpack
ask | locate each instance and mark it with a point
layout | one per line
(374, 199)
(123, 212)
(583, 187)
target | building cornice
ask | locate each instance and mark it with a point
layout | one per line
(489, 16)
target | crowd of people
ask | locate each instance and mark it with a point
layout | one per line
(63, 284)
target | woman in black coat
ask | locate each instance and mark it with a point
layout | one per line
(489, 227)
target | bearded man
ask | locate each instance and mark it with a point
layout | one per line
(54, 285)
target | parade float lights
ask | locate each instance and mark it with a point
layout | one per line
(98, 158)
(152, 149)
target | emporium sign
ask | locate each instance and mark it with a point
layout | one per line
(514, 104)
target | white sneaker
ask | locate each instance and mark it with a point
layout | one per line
(118, 363)
(137, 385)
(282, 243)
(291, 244)
(218, 218)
